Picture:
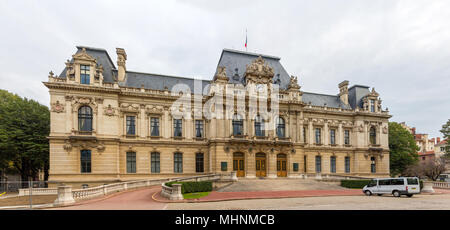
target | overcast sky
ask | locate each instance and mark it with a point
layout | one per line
(402, 48)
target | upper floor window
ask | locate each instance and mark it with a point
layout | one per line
(333, 136)
(304, 134)
(199, 128)
(373, 166)
(177, 127)
(259, 129)
(238, 125)
(281, 127)
(154, 126)
(85, 161)
(346, 137)
(131, 125)
(373, 135)
(84, 74)
(85, 118)
(318, 134)
(372, 105)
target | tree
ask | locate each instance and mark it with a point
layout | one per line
(446, 132)
(431, 168)
(403, 149)
(24, 127)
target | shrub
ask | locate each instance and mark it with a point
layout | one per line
(190, 187)
(354, 183)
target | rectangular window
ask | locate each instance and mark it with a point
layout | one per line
(154, 127)
(155, 163)
(373, 168)
(84, 74)
(318, 139)
(304, 134)
(347, 164)
(131, 127)
(199, 162)
(178, 162)
(199, 128)
(333, 136)
(346, 137)
(177, 130)
(131, 162)
(318, 164)
(85, 161)
(372, 105)
(305, 164)
(333, 164)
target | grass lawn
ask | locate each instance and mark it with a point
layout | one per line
(195, 195)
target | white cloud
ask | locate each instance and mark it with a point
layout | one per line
(399, 47)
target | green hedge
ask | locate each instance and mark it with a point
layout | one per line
(190, 187)
(354, 183)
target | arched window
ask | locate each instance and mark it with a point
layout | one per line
(281, 127)
(85, 118)
(238, 125)
(259, 126)
(373, 135)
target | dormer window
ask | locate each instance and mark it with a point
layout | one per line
(84, 74)
(372, 106)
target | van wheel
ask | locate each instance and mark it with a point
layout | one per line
(409, 195)
(380, 194)
(396, 193)
(368, 193)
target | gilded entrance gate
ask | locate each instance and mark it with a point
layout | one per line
(260, 164)
(281, 165)
(238, 164)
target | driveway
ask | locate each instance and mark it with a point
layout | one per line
(280, 185)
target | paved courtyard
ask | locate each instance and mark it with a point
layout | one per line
(418, 202)
(279, 185)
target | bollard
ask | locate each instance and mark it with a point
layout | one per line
(427, 187)
(233, 176)
(65, 196)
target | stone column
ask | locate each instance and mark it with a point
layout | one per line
(65, 196)
(250, 165)
(271, 165)
(340, 135)
(427, 187)
(326, 134)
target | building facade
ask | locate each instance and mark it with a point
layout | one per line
(110, 124)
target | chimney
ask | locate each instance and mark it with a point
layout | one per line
(343, 91)
(121, 61)
(438, 140)
(414, 131)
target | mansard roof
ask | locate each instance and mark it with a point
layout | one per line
(236, 61)
(317, 99)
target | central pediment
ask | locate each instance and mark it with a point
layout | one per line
(259, 72)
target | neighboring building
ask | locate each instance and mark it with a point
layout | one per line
(110, 124)
(427, 147)
(440, 147)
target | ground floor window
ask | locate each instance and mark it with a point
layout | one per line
(131, 162)
(318, 164)
(178, 162)
(373, 166)
(155, 163)
(347, 164)
(85, 158)
(333, 164)
(199, 162)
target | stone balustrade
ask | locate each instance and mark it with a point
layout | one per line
(38, 191)
(437, 184)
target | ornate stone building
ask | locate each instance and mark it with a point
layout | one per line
(109, 123)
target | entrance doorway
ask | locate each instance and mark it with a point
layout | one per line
(281, 165)
(238, 164)
(260, 164)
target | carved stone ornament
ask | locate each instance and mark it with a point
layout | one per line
(259, 72)
(385, 129)
(83, 55)
(129, 107)
(57, 107)
(110, 111)
(293, 84)
(80, 101)
(221, 75)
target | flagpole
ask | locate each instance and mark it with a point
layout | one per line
(245, 39)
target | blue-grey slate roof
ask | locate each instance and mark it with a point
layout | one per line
(235, 63)
(355, 95)
(321, 99)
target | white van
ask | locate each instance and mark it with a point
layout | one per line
(396, 186)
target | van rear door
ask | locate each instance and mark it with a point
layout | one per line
(413, 185)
